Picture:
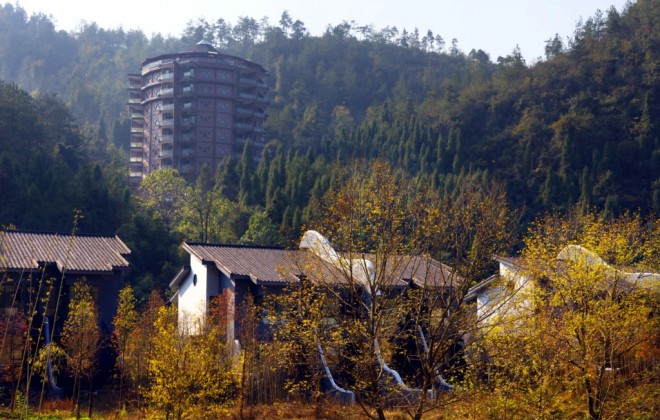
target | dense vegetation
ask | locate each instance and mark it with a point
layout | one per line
(467, 137)
(574, 338)
(48, 168)
(576, 128)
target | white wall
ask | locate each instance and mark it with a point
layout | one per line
(193, 298)
(507, 300)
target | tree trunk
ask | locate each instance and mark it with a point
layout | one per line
(78, 400)
(380, 412)
(594, 412)
(73, 394)
(243, 383)
(121, 383)
(89, 400)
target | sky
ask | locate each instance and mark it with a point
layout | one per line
(495, 26)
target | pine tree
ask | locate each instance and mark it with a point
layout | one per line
(227, 178)
(245, 168)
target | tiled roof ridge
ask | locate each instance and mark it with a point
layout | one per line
(243, 246)
(511, 260)
(45, 232)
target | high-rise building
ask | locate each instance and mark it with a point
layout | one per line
(194, 108)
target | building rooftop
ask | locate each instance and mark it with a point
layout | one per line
(260, 264)
(510, 261)
(203, 50)
(23, 250)
(267, 265)
(204, 46)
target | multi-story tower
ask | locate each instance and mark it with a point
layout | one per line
(194, 108)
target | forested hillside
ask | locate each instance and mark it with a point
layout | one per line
(577, 128)
(47, 169)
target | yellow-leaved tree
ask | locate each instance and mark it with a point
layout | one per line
(80, 339)
(125, 322)
(369, 218)
(186, 373)
(299, 317)
(390, 302)
(585, 331)
(464, 229)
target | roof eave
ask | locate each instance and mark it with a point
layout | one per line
(476, 290)
(180, 276)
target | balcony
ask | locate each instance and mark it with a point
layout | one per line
(187, 137)
(188, 121)
(134, 100)
(189, 74)
(167, 107)
(262, 85)
(243, 126)
(167, 138)
(137, 130)
(135, 174)
(165, 153)
(188, 106)
(187, 152)
(190, 89)
(168, 122)
(153, 64)
(244, 111)
(134, 81)
(244, 81)
(136, 145)
(166, 164)
(166, 76)
(260, 114)
(136, 115)
(259, 130)
(166, 92)
(248, 96)
(136, 156)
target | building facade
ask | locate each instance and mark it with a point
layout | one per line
(38, 271)
(194, 108)
(233, 272)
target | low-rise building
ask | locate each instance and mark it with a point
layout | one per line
(38, 271)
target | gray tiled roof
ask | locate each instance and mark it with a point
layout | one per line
(277, 265)
(258, 263)
(84, 253)
(423, 270)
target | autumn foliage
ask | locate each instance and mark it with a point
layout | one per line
(582, 337)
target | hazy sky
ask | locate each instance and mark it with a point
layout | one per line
(495, 26)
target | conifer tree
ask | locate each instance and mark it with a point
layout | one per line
(245, 169)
